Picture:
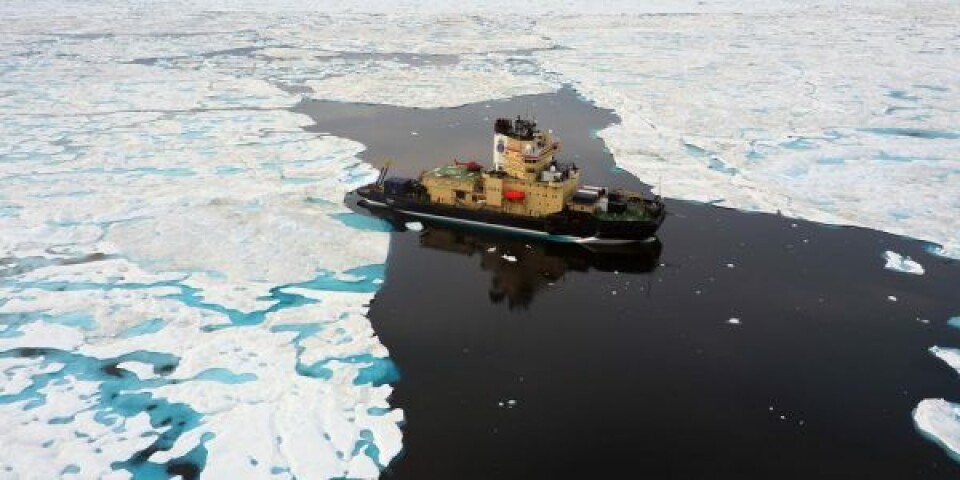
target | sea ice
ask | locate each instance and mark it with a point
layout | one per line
(773, 120)
(899, 263)
(165, 256)
(939, 420)
(949, 355)
(430, 87)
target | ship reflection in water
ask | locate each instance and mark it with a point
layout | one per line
(521, 268)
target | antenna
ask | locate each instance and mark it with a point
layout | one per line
(383, 171)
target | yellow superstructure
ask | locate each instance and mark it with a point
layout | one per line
(525, 178)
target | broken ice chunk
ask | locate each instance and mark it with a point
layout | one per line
(949, 355)
(899, 263)
(509, 258)
(414, 226)
(939, 421)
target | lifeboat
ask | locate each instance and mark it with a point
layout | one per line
(514, 195)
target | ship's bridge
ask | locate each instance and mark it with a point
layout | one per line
(521, 150)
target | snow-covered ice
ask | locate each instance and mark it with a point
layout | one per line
(939, 420)
(951, 356)
(430, 87)
(175, 275)
(800, 128)
(899, 263)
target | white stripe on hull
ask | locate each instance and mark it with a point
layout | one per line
(562, 238)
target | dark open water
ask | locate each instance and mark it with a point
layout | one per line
(626, 366)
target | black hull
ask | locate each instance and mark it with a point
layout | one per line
(563, 226)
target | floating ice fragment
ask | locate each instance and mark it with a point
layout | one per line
(509, 258)
(730, 265)
(414, 226)
(734, 321)
(891, 298)
(949, 355)
(899, 263)
(939, 421)
(491, 249)
(954, 322)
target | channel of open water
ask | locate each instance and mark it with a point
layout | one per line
(568, 363)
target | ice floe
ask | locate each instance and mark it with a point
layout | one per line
(172, 282)
(899, 263)
(949, 355)
(430, 87)
(939, 420)
(795, 125)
